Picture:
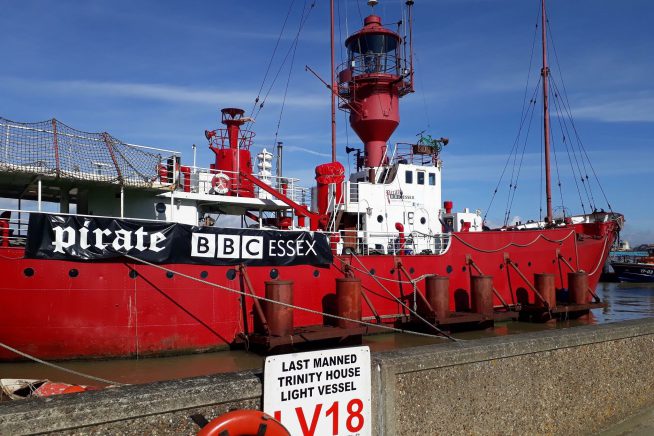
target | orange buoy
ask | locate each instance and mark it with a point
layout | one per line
(244, 423)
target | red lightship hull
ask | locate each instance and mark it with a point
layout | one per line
(62, 310)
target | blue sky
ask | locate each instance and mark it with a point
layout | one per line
(156, 73)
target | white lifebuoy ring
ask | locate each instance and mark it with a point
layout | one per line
(220, 183)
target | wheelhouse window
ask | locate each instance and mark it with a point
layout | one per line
(408, 176)
(421, 177)
(432, 179)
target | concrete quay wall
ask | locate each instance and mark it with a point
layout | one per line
(568, 381)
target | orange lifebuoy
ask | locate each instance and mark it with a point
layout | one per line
(244, 423)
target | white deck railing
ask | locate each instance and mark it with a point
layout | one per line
(349, 241)
(201, 182)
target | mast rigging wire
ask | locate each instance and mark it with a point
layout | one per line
(523, 116)
(563, 127)
(272, 56)
(303, 19)
(568, 110)
(514, 182)
(558, 177)
(288, 81)
(341, 45)
(559, 101)
(359, 8)
(584, 178)
(577, 154)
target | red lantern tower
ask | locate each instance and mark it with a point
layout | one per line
(371, 82)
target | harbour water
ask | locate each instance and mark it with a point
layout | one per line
(625, 301)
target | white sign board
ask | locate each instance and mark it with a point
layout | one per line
(320, 392)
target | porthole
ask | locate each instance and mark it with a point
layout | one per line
(529, 263)
(423, 220)
(412, 270)
(231, 274)
(372, 272)
(29, 272)
(501, 266)
(133, 274)
(160, 207)
(449, 269)
(274, 273)
(316, 273)
(380, 218)
(169, 274)
(463, 269)
(204, 274)
(73, 273)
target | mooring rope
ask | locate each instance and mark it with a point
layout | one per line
(292, 306)
(405, 282)
(412, 312)
(61, 368)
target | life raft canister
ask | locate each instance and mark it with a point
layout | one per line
(220, 183)
(244, 423)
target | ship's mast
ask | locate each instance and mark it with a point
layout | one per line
(332, 82)
(546, 113)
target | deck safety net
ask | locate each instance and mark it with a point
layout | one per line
(54, 149)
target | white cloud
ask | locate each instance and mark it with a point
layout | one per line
(488, 167)
(306, 150)
(639, 108)
(161, 92)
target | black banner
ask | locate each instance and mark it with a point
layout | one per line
(91, 238)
